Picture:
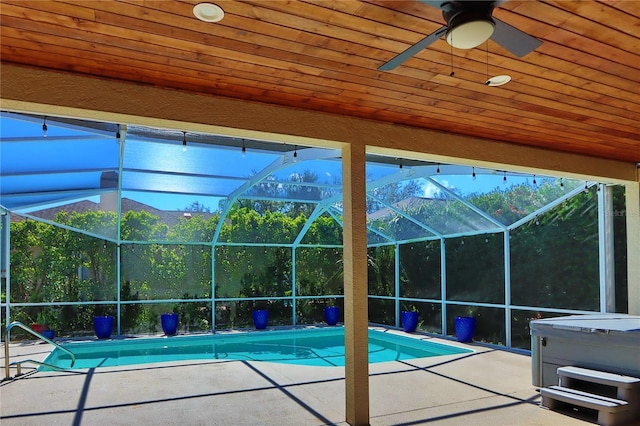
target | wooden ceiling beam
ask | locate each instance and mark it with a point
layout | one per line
(34, 90)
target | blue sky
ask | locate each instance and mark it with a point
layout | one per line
(206, 163)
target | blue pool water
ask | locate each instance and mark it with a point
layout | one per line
(315, 347)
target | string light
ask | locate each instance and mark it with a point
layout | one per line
(184, 141)
(438, 169)
(244, 149)
(534, 180)
(473, 173)
(295, 154)
(561, 183)
(401, 170)
(504, 178)
(44, 128)
(118, 133)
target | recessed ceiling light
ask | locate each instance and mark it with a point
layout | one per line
(498, 80)
(208, 12)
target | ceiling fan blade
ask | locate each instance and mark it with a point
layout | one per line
(401, 57)
(514, 40)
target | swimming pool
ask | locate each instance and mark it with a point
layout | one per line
(315, 347)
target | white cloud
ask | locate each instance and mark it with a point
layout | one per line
(432, 191)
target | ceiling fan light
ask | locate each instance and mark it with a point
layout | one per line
(469, 33)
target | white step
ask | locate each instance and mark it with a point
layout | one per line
(627, 387)
(611, 412)
(602, 377)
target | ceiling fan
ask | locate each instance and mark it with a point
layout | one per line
(469, 24)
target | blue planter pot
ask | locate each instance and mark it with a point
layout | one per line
(465, 326)
(260, 318)
(49, 334)
(409, 321)
(331, 315)
(103, 326)
(169, 324)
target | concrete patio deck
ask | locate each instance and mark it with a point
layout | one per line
(487, 387)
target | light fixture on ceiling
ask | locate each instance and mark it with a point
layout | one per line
(498, 80)
(244, 149)
(184, 141)
(473, 173)
(295, 154)
(469, 28)
(45, 130)
(118, 133)
(534, 180)
(208, 12)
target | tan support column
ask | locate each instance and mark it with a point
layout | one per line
(632, 194)
(356, 316)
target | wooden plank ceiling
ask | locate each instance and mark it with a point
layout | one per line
(578, 92)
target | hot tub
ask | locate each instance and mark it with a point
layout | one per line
(607, 342)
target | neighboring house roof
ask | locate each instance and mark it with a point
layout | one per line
(169, 217)
(407, 205)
